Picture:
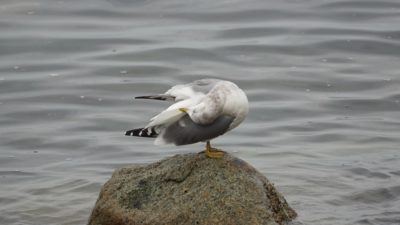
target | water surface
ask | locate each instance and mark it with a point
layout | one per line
(322, 78)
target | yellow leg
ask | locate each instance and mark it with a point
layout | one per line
(213, 152)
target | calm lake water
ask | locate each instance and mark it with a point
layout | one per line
(322, 76)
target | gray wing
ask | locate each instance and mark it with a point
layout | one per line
(185, 131)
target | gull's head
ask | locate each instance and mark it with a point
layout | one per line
(204, 112)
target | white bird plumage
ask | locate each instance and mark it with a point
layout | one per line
(203, 110)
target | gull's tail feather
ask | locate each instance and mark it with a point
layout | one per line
(142, 132)
(157, 97)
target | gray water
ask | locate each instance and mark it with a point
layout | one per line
(323, 79)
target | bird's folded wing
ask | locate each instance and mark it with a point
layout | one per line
(166, 117)
(185, 131)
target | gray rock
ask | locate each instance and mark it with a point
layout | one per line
(190, 189)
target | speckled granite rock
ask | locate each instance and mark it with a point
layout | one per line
(190, 189)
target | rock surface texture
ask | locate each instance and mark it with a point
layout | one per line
(190, 189)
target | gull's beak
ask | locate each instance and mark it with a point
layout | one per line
(185, 110)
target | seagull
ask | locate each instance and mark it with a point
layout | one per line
(202, 110)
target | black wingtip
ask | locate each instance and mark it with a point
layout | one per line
(141, 97)
(134, 132)
(142, 132)
(156, 97)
